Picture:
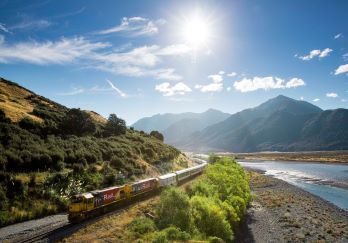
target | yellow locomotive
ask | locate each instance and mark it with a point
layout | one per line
(93, 203)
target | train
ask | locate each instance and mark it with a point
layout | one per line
(91, 204)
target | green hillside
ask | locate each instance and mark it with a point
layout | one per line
(49, 152)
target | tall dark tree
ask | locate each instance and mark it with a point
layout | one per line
(157, 135)
(115, 126)
(78, 122)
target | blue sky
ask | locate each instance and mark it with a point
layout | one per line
(139, 58)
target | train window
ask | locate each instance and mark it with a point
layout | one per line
(76, 200)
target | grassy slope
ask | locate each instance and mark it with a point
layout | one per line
(68, 164)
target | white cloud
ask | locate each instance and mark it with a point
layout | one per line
(141, 61)
(178, 89)
(140, 56)
(315, 53)
(216, 78)
(301, 98)
(341, 69)
(118, 91)
(295, 82)
(332, 95)
(343, 100)
(339, 35)
(32, 24)
(137, 62)
(232, 74)
(4, 28)
(266, 83)
(174, 50)
(60, 52)
(316, 100)
(325, 52)
(75, 91)
(135, 26)
(213, 87)
(228, 89)
(345, 56)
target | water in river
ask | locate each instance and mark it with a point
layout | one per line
(328, 181)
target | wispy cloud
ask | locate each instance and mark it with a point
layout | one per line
(32, 24)
(315, 53)
(60, 52)
(316, 99)
(266, 83)
(135, 26)
(232, 74)
(141, 61)
(332, 95)
(215, 86)
(341, 69)
(137, 62)
(339, 35)
(4, 28)
(118, 91)
(74, 91)
(345, 56)
(169, 90)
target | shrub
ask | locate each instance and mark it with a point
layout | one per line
(160, 237)
(173, 210)
(172, 233)
(141, 226)
(3, 200)
(157, 135)
(209, 218)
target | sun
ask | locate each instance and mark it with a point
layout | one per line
(196, 31)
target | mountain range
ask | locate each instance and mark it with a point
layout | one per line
(279, 124)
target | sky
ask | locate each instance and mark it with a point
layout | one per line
(140, 58)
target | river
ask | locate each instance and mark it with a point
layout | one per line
(328, 181)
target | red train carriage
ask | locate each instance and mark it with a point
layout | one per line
(141, 187)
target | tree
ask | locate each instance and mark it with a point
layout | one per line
(173, 210)
(78, 122)
(209, 218)
(115, 126)
(157, 135)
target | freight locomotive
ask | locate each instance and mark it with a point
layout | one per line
(93, 203)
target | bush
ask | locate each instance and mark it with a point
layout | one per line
(173, 210)
(141, 226)
(157, 135)
(172, 233)
(160, 237)
(209, 218)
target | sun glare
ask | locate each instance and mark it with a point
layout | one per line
(196, 31)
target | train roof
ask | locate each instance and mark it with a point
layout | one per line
(167, 176)
(148, 179)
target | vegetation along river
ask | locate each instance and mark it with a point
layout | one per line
(328, 181)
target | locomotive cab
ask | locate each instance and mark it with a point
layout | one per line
(81, 202)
